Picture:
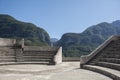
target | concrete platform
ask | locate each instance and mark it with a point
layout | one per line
(64, 71)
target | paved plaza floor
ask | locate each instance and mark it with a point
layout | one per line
(64, 71)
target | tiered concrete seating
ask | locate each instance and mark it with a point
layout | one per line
(114, 74)
(37, 54)
(13, 51)
(8, 54)
(105, 59)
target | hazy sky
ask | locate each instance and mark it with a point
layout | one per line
(61, 16)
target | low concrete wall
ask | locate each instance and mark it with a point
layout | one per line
(7, 42)
(20, 42)
(58, 56)
(71, 59)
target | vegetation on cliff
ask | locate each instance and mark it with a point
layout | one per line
(12, 28)
(77, 44)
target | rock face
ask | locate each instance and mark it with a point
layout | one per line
(77, 44)
(12, 28)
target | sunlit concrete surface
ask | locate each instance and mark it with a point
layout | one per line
(64, 71)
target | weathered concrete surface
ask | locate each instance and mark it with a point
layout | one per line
(14, 50)
(64, 71)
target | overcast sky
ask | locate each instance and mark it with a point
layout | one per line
(62, 16)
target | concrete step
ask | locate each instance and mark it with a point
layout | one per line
(7, 60)
(108, 58)
(42, 52)
(8, 54)
(112, 55)
(114, 74)
(43, 56)
(2, 57)
(112, 60)
(38, 54)
(109, 65)
(114, 52)
(37, 62)
(18, 63)
(40, 60)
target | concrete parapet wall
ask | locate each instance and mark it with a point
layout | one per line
(71, 59)
(7, 42)
(58, 56)
(20, 42)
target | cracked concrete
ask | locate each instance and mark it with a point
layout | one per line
(64, 71)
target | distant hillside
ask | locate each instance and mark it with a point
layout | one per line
(12, 28)
(77, 44)
(53, 40)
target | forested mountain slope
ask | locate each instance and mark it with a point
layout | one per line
(12, 28)
(77, 44)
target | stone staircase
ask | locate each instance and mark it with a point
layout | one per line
(43, 57)
(36, 55)
(112, 73)
(105, 59)
(8, 54)
(14, 51)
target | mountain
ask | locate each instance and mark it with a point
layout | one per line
(53, 40)
(12, 28)
(77, 44)
(74, 44)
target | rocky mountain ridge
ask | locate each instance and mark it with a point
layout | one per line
(77, 44)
